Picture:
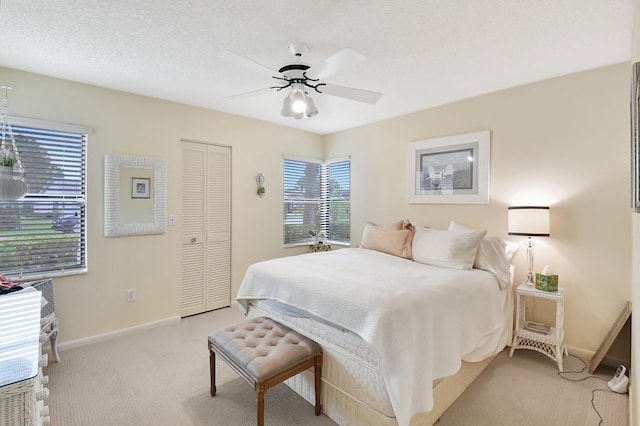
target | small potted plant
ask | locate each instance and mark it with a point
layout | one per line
(7, 161)
(7, 158)
(318, 237)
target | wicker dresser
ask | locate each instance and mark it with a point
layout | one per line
(23, 392)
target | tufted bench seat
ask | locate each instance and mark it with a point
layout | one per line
(265, 353)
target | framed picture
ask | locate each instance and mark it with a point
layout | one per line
(449, 170)
(140, 187)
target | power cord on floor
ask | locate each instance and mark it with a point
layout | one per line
(593, 391)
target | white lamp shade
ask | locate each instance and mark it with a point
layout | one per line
(531, 221)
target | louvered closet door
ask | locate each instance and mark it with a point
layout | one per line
(193, 221)
(218, 255)
(205, 230)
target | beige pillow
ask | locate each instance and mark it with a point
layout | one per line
(449, 249)
(393, 238)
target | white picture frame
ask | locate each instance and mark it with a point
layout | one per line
(449, 170)
(140, 187)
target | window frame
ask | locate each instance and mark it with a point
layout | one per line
(324, 200)
(23, 272)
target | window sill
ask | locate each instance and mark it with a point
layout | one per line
(310, 243)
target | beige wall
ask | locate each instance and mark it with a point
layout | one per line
(95, 303)
(562, 142)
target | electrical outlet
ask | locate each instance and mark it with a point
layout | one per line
(131, 295)
(172, 220)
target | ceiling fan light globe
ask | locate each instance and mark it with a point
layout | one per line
(299, 107)
(298, 101)
(312, 111)
(286, 110)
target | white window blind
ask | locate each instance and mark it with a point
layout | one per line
(316, 198)
(44, 234)
(336, 218)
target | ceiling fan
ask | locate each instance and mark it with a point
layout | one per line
(299, 78)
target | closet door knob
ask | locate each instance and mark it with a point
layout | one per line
(193, 240)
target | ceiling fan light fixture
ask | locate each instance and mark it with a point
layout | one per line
(298, 105)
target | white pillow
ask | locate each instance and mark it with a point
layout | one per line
(511, 249)
(449, 249)
(491, 255)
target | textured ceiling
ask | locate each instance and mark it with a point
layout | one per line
(420, 53)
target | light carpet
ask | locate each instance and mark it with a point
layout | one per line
(526, 390)
(161, 377)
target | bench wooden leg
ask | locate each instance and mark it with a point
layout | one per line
(260, 390)
(318, 380)
(212, 372)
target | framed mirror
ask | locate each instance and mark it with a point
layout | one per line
(134, 196)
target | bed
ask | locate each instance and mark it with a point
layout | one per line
(394, 325)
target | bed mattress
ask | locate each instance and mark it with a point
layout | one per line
(349, 365)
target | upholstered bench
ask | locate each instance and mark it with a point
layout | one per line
(265, 353)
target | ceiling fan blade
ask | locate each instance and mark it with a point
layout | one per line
(352, 93)
(335, 63)
(249, 94)
(230, 56)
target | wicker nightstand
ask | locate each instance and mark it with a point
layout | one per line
(552, 343)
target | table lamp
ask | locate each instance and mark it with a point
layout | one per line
(529, 221)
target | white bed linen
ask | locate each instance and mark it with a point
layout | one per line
(422, 320)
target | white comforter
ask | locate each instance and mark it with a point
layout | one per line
(422, 320)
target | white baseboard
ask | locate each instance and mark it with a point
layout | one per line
(584, 354)
(614, 361)
(117, 333)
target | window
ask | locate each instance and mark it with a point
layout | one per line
(317, 198)
(44, 234)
